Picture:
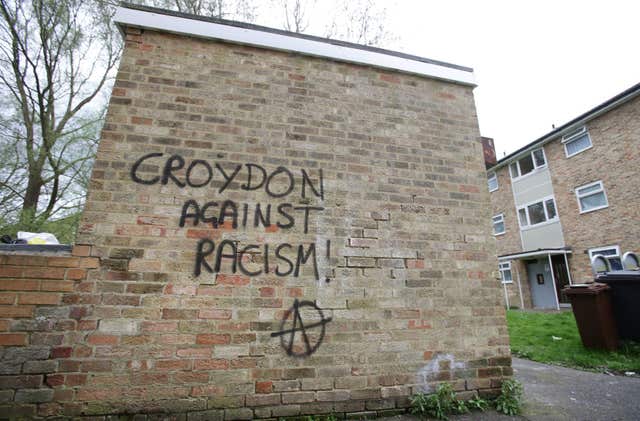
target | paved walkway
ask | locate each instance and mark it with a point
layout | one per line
(557, 393)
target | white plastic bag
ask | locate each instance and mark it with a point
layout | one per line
(37, 237)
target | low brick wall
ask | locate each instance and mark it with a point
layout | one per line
(40, 322)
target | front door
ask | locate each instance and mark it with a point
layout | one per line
(539, 274)
(562, 277)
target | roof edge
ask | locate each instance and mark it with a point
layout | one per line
(260, 36)
(597, 111)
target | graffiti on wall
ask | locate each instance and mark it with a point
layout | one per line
(280, 183)
(301, 336)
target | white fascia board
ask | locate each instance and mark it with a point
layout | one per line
(274, 41)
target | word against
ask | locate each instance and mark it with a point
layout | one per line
(154, 168)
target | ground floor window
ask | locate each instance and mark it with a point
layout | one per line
(505, 272)
(611, 253)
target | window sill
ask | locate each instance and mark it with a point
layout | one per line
(577, 153)
(541, 224)
(499, 234)
(507, 282)
(529, 174)
(582, 212)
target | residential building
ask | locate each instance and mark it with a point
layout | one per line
(565, 197)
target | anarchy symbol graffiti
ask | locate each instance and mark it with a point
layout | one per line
(297, 338)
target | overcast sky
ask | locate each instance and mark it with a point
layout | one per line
(537, 63)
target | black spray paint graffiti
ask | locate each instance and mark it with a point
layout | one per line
(298, 339)
(256, 176)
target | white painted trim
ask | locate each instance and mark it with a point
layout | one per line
(546, 213)
(281, 42)
(491, 177)
(553, 278)
(566, 262)
(602, 190)
(573, 138)
(520, 288)
(536, 168)
(533, 253)
(504, 225)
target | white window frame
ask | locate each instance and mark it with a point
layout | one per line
(503, 267)
(546, 213)
(602, 190)
(494, 176)
(500, 215)
(536, 167)
(596, 250)
(568, 138)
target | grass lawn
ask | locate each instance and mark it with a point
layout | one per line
(532, 336)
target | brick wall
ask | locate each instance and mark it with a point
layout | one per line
(389, 263)
(502, 202)
(40, 321)
(613, 160)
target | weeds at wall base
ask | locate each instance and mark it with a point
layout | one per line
(443, 403)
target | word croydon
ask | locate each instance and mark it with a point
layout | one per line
(277, 184)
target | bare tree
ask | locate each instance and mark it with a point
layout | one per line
(359, 21)
(243, 10)
(56, 57)
(295, 14)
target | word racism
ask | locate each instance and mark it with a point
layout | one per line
(278, 183)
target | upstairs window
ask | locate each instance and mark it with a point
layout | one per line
(576, 142)
(498, 224)
(528, 163)
(591, 197)
(537, 213)
(492, 180)
(505, 272)
(611, 253)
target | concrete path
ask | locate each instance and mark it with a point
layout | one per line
(555, 393)
(558, 393)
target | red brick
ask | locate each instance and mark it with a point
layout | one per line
(61, 352)
(271, 228)
(54, 380)
(38, 298)
(62, 286)
(43, 273)
(7, 339)
(81, 250)
(415, 263)
(7, 298)
(264, 387)
(75, 379)
(294, 292)
(76, 274)
(16, 311)
(66, 262)
(89, 263)
(4, 325)
(19, 285)
(141, 120)
(267, 292)
(198, 233)
(390, 78)
(232, 279)
(419, 324)
(152, 220)
(10, 272)
(180, 289)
